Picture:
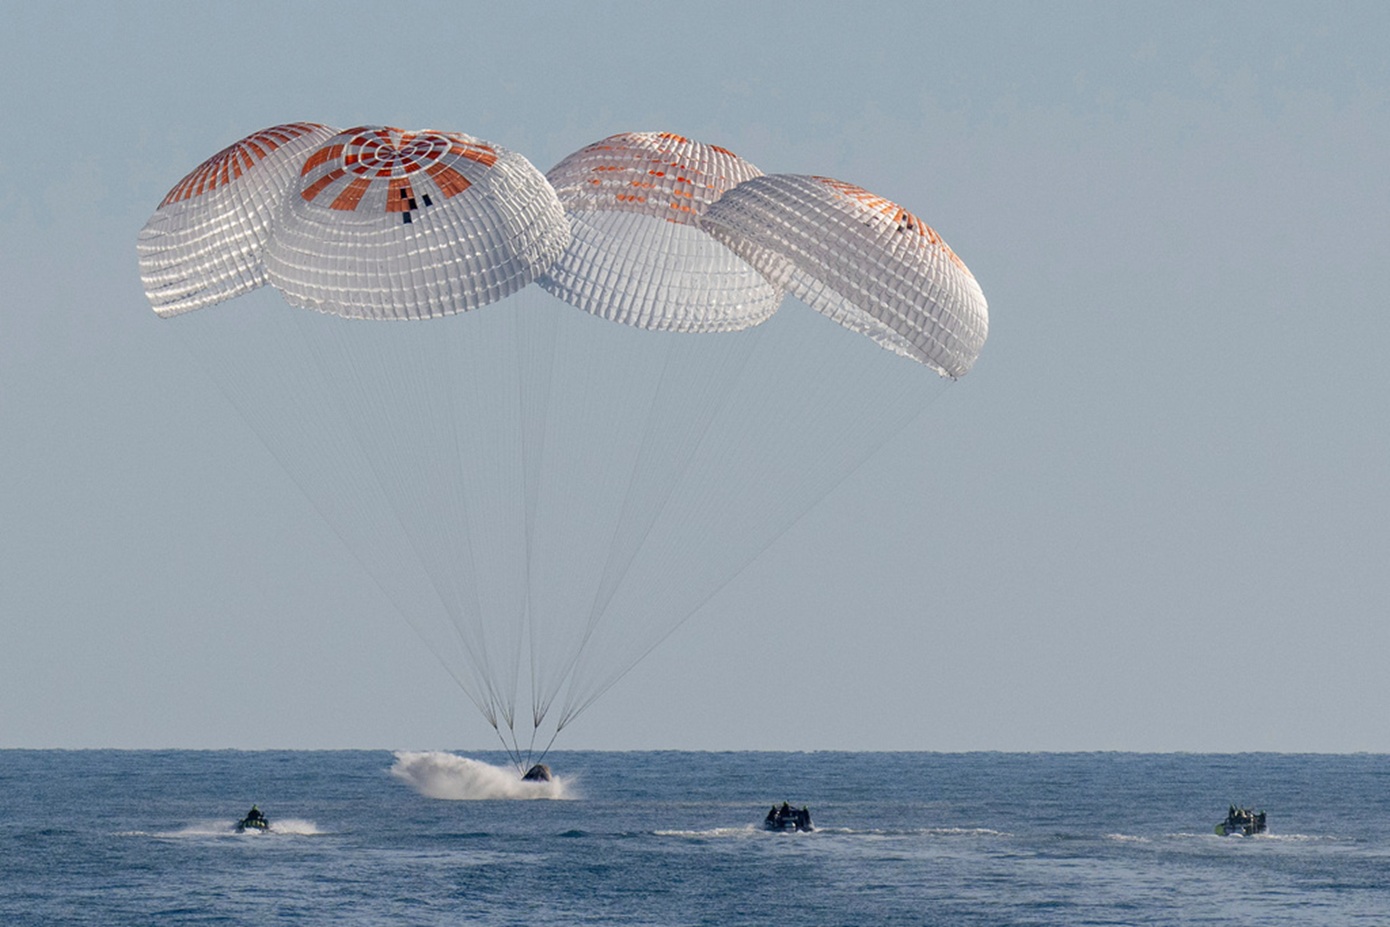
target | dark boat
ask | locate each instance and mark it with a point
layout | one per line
(788, 818)
(254, 821)
(1242, 822)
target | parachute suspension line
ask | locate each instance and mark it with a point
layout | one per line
(512, 753)
(549, 693)
(599, 596)
(514, 750)
(605, 374)
(461, 333)
(731, 352)
(550, 743)
(459, 528)
(536, 361)
(460, 361)
(191, 334)
(531, 747)
(429, 447)
(574, 409)
(569, 714)
(810, 413)
(382, 403)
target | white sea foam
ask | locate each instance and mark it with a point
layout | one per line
(295, 826)
(458, 778)
(201, 829)
(1128, 838)
(204, 829)
(1237, 839)
(891, 832)
(746, 830)
(757, 829)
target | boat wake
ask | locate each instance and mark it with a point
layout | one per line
(206, 829)
(1238, 839)
(753, 830)
(1282, 838)
(294, 826)
(451, 777)
(747, 830)
(895, 832)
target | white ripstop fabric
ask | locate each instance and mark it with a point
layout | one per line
(859, 259)
(476, 223)
(205, 242)
(637, 256)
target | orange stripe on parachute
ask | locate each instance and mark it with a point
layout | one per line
(322, 156)
(480, 153)
(905, 220)
(315, 188)
(227, 165)
(451, 182)
(351, 195)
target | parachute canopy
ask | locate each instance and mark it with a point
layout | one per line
(206, 241)
(860, 259)
(638, 256)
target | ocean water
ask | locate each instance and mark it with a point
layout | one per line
(370, 837)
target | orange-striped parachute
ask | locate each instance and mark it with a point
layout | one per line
(638, 256)
(543, 494)
(206, 241)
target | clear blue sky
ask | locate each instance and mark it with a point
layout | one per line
(1154, 517)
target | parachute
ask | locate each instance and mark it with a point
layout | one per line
(205, 242)
(638, 257)
(417, 224)
(546, 494)
(860, 259)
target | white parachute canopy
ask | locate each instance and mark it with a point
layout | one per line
(860, 259)
(389, 224)
(206, 241)
(637, 256)
(542, 494)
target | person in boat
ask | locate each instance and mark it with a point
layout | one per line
(787, 818)
(254, 820)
